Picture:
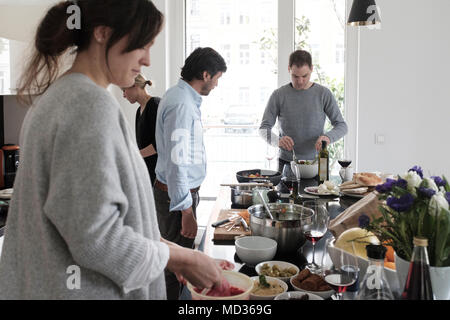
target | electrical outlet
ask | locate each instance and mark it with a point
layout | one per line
(380, 139)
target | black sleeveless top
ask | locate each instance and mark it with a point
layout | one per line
(145, 132)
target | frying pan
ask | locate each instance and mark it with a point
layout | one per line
(273, 176)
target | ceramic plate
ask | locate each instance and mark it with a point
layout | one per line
(354, 195)
(314, 191)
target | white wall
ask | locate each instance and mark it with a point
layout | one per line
(404, 85)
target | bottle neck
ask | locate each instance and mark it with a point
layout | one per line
(376, 262)
(420, 254)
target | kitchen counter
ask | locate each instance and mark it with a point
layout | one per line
(226, 249)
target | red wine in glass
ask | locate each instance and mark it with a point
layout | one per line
(345, 163)
(339, 280)
(314, 236)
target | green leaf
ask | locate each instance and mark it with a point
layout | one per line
(442, 238)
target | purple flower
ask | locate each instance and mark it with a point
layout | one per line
(390, 183)
(418, 170)
(402, 204)
(401, 183)
(439, 181)
(447, 197)
(386, 187)
(363, 221)
(426, 192)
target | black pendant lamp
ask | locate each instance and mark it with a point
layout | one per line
(364, 13)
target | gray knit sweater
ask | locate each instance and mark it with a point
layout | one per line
(301, 115)
(82, 197)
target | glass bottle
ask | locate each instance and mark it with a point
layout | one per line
(418, 283)
(324, 164)
(374, 285)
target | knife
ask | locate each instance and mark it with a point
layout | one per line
(219, 223)
(244, 224)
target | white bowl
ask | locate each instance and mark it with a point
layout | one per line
(270, 280)
(308, 171)
(296, 294)
(323, 294)
(236, 279)
(391, 275)
(282, 265)
(253, 250)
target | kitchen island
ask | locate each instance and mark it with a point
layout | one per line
(226, 250)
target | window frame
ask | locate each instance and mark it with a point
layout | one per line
(175, 50)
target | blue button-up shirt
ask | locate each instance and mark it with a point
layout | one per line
(179, 137)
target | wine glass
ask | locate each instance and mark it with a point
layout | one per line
(343, 273)
(315, 229)
(271, 152)
(288, 176)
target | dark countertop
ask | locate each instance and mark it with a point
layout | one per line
(226, 249)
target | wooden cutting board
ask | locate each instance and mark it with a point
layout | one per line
(221, 233)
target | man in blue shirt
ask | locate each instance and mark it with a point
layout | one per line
(181, 166)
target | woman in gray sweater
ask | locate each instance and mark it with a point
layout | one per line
(82, 222)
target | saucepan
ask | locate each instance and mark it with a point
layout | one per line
(259, 175)
(285, 228)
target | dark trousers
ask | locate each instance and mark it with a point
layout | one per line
(170, 228)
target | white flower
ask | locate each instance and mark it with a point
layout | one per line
(431, 184)
(414, 181)
(437, 203)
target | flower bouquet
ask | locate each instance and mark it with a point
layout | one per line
(412, 205)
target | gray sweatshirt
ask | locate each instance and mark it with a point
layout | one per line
(82, 202)
(301, 115)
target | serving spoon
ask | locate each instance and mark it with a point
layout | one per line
(265, 204)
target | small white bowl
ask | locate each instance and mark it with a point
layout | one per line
(270, 280)
(253, 250)
(296, 294)
(308, 171)
(282, 265)
(323, 294)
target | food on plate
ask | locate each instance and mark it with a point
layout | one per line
(305, 162)
(263, 288)
(367, 179)
(276, 271)
(362, 184)
(360, 238)
(226, 290)
(328, 187)
(310, 282)
(255, 175)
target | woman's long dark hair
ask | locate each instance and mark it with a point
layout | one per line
(139, 19)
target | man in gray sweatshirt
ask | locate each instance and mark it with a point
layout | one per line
(301, 108)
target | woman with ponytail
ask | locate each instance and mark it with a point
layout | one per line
(82, 221)
(145, 121)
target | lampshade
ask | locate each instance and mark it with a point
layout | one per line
(364, 13)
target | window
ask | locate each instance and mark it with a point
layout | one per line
(4, 65)
(226, 53)
(320, 26)
(195, 41)
(230, 114)
(244, 96)
(340, 53)
(244, 54)
(195, 11)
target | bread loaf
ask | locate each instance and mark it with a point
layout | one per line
(367, 179)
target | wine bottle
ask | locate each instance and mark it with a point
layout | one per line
(418, 283)
(324, 164)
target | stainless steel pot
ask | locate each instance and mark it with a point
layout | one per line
(243, 195)
(285, 229)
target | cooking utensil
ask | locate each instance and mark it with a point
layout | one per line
(294, 158)
(265, 205)
(244, 224)
(222, 222)
(266, 176)
(285, 228)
